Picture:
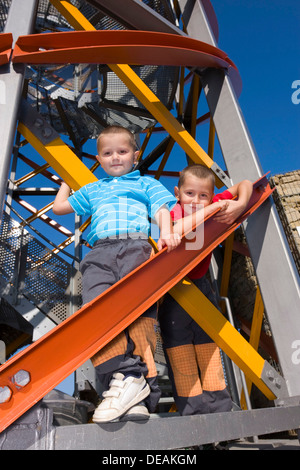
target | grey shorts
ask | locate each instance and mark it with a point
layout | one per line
(108, 261)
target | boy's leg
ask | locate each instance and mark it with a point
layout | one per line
(125, 355)
(212, 377)
(186, 384)
(177, 335)
(142, 332)
(103, 266)
(132, 354)
(191, 354)
(210, 362)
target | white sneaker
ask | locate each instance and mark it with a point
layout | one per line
(136, 413)
(122, 395)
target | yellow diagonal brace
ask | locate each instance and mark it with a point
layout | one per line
(222, 332)
(256, 326)
(226, 269)
(61, 158)
(164, 159)
(30, 175)
(162, 115)
(143, 93)
(211, 139)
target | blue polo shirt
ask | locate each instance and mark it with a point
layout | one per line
(121, 205)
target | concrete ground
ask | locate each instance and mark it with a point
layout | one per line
(265, 444)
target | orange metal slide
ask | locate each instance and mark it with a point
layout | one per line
(6, 40)
(52, 358)
(121, 47)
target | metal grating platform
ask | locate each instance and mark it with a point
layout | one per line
(31, 270)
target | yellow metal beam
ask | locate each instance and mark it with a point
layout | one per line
(162, 115)
(145, 143)
(164, 159)
(226, 269)
(61, 158)
(222, 332)
(257, 319)
(37, 214)
(211, 139)
(196, 94)
(30, 175)
(181, 93)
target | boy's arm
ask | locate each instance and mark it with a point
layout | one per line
(166, 233)
(228, 213)
(189, 222)
(243, 192)
(61, 205)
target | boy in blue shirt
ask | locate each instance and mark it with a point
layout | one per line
(120, 206)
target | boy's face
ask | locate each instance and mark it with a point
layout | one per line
(116, 155)
(194, 193)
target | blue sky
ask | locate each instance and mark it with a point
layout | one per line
(263, 40)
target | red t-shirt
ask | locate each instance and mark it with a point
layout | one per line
(177, 213)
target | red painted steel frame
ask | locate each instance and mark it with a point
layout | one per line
(120, 47)
(6, 40)
(61, 351)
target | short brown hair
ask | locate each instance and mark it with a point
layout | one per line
(200, 171)
(115, 129)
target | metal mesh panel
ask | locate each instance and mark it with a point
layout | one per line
(162, 7)
(82, 99)
(48, 17)
(34, 271)
(10, 243)
(4, 7)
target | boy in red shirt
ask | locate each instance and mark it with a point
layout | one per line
(194, 360)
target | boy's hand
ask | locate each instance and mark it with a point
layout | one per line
(229, 211)
(171, 240)
(167, 236)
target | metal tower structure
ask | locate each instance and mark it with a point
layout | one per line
(68, 69)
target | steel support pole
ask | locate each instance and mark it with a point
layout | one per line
(276, 272)
(20, 21)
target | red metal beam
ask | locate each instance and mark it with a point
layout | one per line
(6, 40)
(61, 351)
(120, 47)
